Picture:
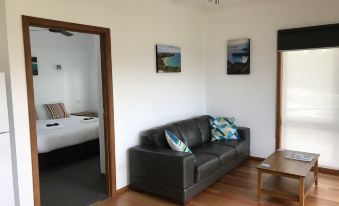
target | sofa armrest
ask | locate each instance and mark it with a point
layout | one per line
(162, 166)
(245, 134)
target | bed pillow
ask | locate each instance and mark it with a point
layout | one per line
(41, 113)
(223, 128)
(56, 111)
(175, 143)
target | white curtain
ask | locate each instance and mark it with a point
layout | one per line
(310, 107)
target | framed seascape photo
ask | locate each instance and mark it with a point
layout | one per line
(168, 58)
(238, 56)
(35, 66)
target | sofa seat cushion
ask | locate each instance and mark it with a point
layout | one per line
(206, 165)
(239, 146)
(224, 153)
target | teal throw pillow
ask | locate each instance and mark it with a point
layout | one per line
(223, 128)
(175, 143)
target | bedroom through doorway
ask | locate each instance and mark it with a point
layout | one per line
(71, 105)
(69, 111)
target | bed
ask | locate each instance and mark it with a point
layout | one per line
(72, 139)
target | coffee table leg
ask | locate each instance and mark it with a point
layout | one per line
(316, 171)
(302, 191)
(259, 185)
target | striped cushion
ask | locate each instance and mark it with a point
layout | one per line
(56, 111)
(175, 143)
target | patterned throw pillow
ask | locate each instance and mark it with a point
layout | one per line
(56, 111)
(175, 143)
(223, 129)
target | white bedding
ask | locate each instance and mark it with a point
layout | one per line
(71, 131)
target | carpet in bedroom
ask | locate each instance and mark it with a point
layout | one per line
(76, 184)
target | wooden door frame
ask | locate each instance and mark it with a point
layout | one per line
(278, 120)
(107, 95)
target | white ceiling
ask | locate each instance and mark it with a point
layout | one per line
(205, 4)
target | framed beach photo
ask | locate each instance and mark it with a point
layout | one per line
(168, 58)
(35, 65)
(238, 56)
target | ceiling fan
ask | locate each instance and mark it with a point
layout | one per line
(215, 1)
(63, 32)
(60, 31)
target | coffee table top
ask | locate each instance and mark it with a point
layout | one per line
(280, 164)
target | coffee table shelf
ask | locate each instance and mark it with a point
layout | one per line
(286, 187)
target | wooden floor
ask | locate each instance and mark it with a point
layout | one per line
(238, 188)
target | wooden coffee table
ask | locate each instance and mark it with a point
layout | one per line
(290, 179)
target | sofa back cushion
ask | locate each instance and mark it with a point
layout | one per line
(192, 132)
(189, 132)
(205, 127)
(156, 137)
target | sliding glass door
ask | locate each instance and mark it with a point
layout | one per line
(310, 103)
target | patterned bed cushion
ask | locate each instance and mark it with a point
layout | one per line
(56, 111)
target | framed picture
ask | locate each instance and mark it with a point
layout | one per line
(238, 56)
(35, 66)
(168, 58)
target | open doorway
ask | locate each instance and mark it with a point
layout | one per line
(69, 85)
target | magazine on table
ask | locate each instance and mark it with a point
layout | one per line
(299, 156)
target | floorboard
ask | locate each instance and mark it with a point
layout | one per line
(238, 188)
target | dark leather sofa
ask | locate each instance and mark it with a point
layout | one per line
(179, 176)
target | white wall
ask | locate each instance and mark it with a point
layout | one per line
(76, 84)
(142, 98)
(96, 97)
(6, 171)
(252, 98)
